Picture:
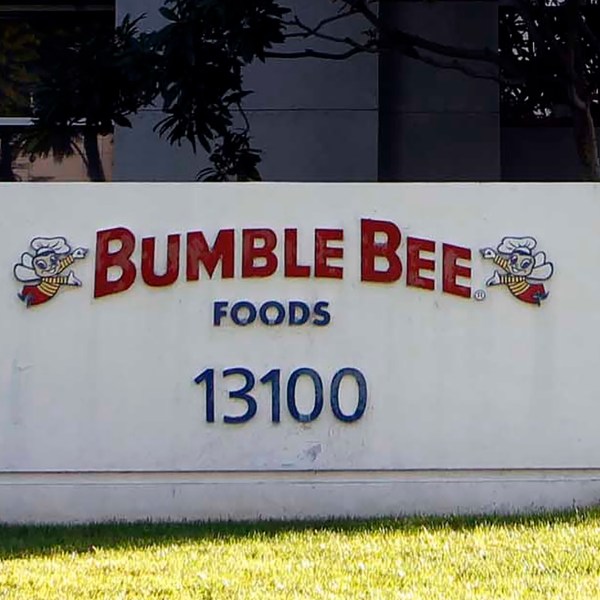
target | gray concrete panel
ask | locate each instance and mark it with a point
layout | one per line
(418, 87)
(299, 83)
(297, 146)
(140, 155)
(316, 120)
(540, 154)
(316, 83)
(138, 7)
(309, 83)
(412, 85)
(444, 147)
(439, 124)
(317, 145)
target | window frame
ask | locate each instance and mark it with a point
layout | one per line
(16, 122)
(40, 7)
(37, 10)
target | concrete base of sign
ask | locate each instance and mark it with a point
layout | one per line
(95, 497)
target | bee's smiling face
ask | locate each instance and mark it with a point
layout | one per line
(46, 265)
(521, 263)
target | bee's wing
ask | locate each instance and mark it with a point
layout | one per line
(25, 274)
(27, 260)
(542, 272)
(539, 259)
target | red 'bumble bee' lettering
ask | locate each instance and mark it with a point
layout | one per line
(251, 252)
(292, 268)
(452, 270)
(199, 252)
(148, 261)
(121, 258)
(380, 244)
(387, 250)
(323, 252)
(415, 263)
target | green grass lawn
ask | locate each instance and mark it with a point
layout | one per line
(547, 556)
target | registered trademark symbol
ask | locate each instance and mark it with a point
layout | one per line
(479, 295)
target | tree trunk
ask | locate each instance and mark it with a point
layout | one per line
(6, 158)
(586, 141)
(584, 129)
(95, 169)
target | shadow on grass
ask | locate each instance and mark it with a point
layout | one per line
(23, 541)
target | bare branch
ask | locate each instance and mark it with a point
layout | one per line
(456, 65)
(408, 43)
(309, 53)
(310, 32)
(307, 31)
(412, 46)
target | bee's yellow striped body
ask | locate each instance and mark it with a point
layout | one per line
(517, 284)
(50, 285)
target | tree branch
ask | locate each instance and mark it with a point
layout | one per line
(408, 43)
(307, 31)
(412, 46)
(309, 53)
(314, 32)
(456, 65)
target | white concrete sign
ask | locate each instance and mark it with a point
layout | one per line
(167, 348)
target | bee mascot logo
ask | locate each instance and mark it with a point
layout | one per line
(42, 269)
(523, 268)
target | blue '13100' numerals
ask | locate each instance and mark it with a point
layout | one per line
(273, 379)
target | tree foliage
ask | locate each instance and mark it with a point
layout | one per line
(18, 51)
(540, 42)
(557, 47)
(90, 79)
(202, 52)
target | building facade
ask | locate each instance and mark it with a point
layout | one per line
(363, 119)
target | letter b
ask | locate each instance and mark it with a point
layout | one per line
(121, 259)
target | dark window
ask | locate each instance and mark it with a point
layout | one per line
(543, 99)
(30, 30)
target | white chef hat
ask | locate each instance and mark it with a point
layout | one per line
(510, 244)
(58, 245)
